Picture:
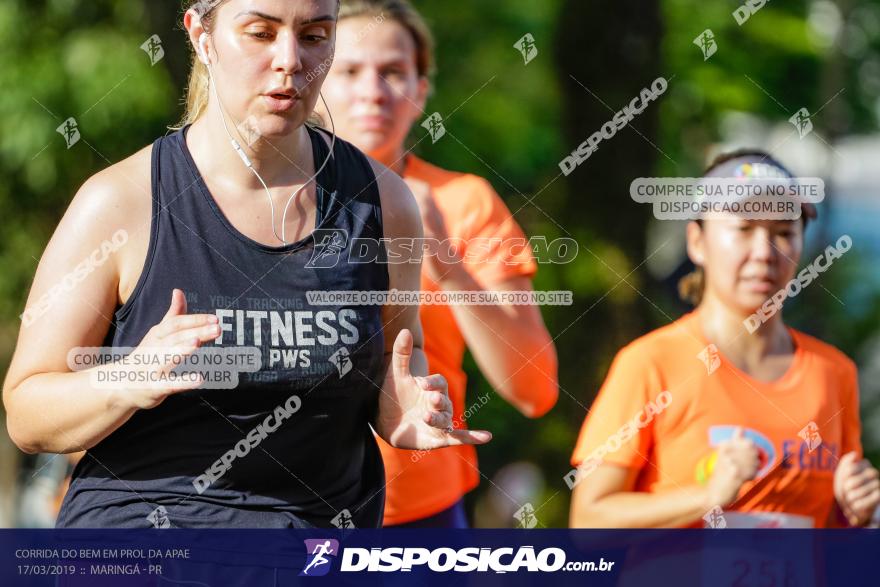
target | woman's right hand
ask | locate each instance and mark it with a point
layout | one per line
(178, 335)
(737, 463)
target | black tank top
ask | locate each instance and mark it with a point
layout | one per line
(321, 466)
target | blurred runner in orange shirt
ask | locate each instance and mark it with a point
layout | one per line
(708, 422)
(376, 90)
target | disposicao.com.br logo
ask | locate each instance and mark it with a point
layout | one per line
(442, 560)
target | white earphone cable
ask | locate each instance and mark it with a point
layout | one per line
(317, 173)
(249, 165)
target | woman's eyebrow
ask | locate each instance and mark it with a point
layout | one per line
(323, 18)
(259, 14)
(271, 18)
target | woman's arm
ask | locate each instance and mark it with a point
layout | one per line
(414, 411)
(510, 344)
(49, 408)
(400, 220)
(606, 499)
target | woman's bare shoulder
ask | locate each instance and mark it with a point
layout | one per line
(113, 204)
(400, 212)
(120, 192)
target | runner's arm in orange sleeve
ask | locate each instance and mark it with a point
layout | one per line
(509, 342)
(511, 346)
(605, 494)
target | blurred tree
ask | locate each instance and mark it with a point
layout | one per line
(165, 19)
(601, 73)
(513, 123)
(64, 59)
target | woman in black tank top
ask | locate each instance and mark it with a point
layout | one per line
(249, 401)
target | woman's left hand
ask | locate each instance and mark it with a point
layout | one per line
(857, 489)
(416, 412)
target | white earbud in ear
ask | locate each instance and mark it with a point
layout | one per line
(203, 49)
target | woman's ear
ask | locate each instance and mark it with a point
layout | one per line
(424, 90)
(696, 246)
(196, 31)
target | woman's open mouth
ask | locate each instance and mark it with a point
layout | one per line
(279, 102)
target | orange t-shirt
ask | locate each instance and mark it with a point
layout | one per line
(801, 423)
(421, 484)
